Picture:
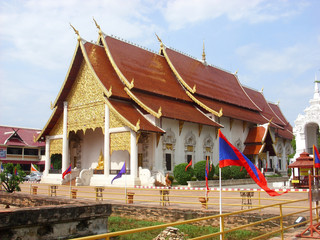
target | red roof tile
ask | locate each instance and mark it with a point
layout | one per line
(210, 81)
(256, 135)
(253, 149)
(128, 111)
(261, 102)
(104, 70)
(26, 135)
(176, 109)
(150, 71)
(233, 111)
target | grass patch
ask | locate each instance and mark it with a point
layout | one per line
(116, 224)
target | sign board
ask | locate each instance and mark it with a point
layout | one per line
(295, 181)
(3, 152)
(304, 171)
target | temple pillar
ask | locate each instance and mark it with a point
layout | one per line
(65, 162)
(47, 157)
(106, 141)
(133, 155)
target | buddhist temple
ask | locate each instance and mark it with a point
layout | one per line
(121, 103)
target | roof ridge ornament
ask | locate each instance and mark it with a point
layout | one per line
(161, 43)
(204, 55)
(76, 32)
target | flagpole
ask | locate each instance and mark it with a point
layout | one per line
(220, 202)
(125, 182)
(70, 179)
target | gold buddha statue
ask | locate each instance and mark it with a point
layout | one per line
(100, 162)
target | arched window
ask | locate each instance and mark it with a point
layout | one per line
(189, 147)
(168, 149)
(208, 148)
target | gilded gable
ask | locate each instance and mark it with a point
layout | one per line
(85, 102)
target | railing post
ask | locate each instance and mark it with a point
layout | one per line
(281, 221)
(222, 227)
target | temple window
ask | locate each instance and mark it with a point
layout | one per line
(14, 151)
(168, 148)
(189, 147)
(207, 148)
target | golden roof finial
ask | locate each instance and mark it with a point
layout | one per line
(203, 54)
(76, 31)
(97, 25)
(236, 72)
(161, 43)
(261, 90)
(270, 120)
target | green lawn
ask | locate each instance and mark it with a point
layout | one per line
(119, 224)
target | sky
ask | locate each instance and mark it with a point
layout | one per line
(273, 44)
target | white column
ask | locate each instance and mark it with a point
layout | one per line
(65, 162)
(268, 159)
(133, 155)
(47, 157)
(106, 141)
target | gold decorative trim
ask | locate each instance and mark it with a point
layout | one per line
(123, 79)
(123, 119)
(180, 79)
(138, 136)
(244, 125)
(200, 129)
(158, 138)
(231, 123)
(218, 114)
(180, 126)
(84, 53)
(55, 146)
(120, 141)
(141, 104)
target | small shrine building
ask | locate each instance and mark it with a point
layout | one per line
(123, 103)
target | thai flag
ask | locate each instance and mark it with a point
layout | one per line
(122, 171)
(231, 156)
(15, 171)
(1, 168)
(68, 171)
(316, 157)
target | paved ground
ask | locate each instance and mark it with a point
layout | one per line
(187, 199)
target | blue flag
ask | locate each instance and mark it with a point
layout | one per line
(122, 171)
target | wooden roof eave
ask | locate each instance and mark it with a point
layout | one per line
(219, 125)
(122, 118)
(46, 126)
(193, 98)
(141, 104)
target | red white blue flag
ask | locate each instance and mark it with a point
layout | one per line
(68, 171)
(231, 156)
(316, 157)
(122, 171)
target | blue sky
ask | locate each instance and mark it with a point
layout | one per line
(274, 45)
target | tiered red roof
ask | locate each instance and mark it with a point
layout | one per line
(16, 136)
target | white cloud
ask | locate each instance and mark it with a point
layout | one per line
(38, 32)
(180, 13)
(296, 59)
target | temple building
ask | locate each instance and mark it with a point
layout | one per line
(121, 103)
(17, 146)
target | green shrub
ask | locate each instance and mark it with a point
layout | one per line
(237, 173)
(225, 172)
(181, 175)
(9, 180)
(199, 170)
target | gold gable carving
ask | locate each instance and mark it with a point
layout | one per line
(120, 141)
(115, 121)
(85, 102)
(56, 146)
(58, 127)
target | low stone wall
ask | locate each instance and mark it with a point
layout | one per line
(232, 182)
(169, 214)
(50, 217)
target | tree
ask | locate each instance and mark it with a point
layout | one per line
(9, 180)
